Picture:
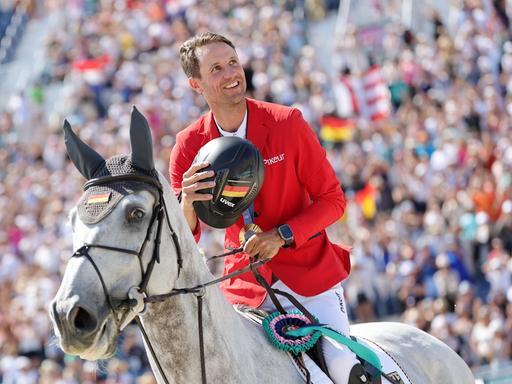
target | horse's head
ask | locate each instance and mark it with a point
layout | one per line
(116, 225)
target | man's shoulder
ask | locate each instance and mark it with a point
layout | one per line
(278, 111)
(194, 133)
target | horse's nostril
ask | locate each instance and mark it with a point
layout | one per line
(82, 320)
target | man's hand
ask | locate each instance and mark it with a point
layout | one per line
(191, 183)
(265, 245)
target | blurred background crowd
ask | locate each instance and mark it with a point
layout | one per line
(428, 182)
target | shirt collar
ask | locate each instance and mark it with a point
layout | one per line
(241, 130)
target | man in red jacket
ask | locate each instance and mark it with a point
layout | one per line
(299, 198)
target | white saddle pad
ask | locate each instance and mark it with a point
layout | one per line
(389, 366)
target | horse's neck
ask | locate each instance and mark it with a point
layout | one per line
(172, 327)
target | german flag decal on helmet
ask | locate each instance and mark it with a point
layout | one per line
(235, 191)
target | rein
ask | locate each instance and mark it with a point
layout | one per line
(159, 212)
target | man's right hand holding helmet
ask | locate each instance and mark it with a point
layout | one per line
(192, 182)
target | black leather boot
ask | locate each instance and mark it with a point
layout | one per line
(358, 375)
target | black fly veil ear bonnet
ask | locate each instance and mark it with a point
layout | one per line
(99, 200)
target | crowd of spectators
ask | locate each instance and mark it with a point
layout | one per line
(439, 250)
(436, 255)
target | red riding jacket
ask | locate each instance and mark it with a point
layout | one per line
(300, 188)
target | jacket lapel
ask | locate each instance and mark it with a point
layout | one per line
(211, 131)
(257, 129)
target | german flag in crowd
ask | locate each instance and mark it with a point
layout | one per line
(336, 130)
(366, 199)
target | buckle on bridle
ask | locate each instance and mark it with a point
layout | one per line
(82, 251)
(138, 309)
(135, 293)
(200, 292)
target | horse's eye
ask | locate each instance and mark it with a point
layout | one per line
(135, 214)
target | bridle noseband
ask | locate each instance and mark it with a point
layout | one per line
(127, 304)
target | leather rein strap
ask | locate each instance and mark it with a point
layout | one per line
(159, 212)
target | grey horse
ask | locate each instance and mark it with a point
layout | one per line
(128, 232)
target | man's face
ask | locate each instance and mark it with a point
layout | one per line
(222, 77)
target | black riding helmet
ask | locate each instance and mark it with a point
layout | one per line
(238, 169)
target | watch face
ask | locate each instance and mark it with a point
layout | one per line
(286, 232)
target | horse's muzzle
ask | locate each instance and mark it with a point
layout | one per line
(75, 325)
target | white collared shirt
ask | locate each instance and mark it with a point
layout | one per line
(240, 132)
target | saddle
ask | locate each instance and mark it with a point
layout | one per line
(316, 373)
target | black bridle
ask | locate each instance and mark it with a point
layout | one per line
(127, 304)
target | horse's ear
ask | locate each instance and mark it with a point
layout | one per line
(140, 139)
(86, 159)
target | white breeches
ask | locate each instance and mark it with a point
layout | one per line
(329, 307)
